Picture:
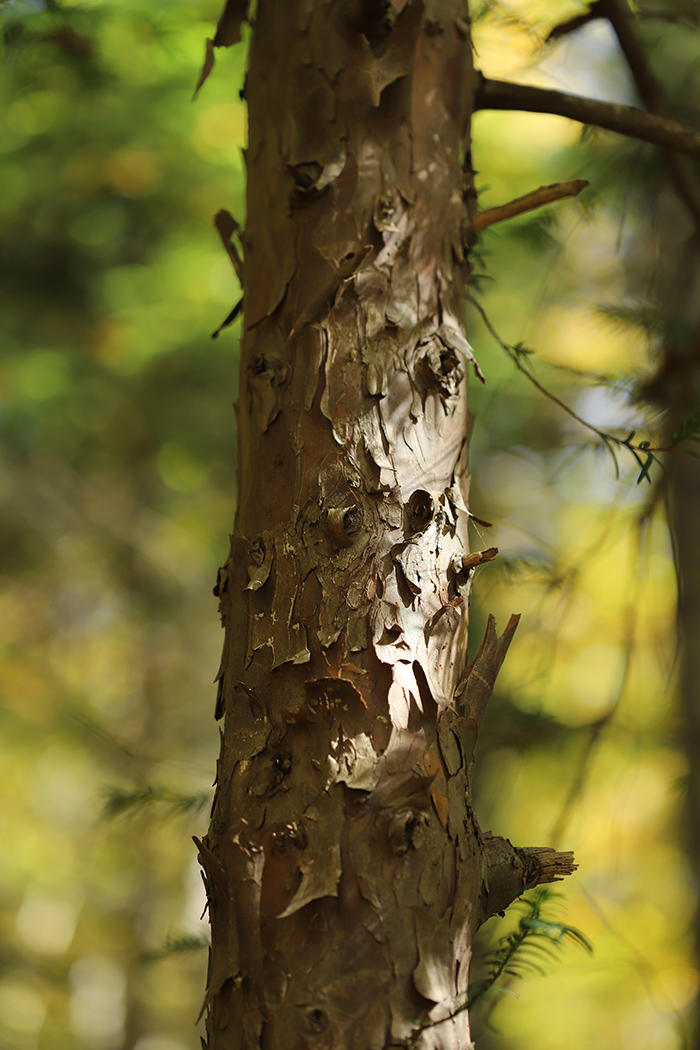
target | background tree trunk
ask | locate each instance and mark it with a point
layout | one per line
(345, 869)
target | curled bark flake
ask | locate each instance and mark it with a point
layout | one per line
(407, 830)
(390, 510)
(229, 319)
(261, 556)
(433, 974)
(226, 226)
(476, 684)
(394, 56)
(266, 379)
(228, 31)
(271, 776)
(271, 620)
(358, 766)
(311, 178)
(313, 349)
(288, 836)
(385, 207)
(439, 369)
(336, 701)
(452, 336)
(374, 20)
(320, 863)
(375, 380)
(344, 524)
(450, 730)
(213, 868)
(375, 449)
(387, 627)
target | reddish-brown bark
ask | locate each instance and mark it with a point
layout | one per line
(345, 867)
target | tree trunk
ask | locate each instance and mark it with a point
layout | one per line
(677, 389)
(345, 869)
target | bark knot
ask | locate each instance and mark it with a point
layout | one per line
(420, 510)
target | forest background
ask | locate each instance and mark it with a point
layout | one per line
(117, 481)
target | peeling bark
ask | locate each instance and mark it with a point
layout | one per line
(345, 869)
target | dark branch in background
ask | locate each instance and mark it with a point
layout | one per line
(572, 24)
(650, 90)
(625, 120)
(544, 195)
(596, 729)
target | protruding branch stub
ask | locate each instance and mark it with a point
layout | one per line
(511, 870)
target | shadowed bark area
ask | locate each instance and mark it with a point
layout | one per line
(345, 869)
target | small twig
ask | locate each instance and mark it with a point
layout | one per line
(469, 561)
(544, 195)
(625, 120)
(637, 450)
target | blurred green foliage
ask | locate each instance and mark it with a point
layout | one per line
(117, 480)
(118, 485)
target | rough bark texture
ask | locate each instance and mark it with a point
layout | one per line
(345, 869)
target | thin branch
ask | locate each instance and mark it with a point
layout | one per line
(544, 195)
(597, 728)
(625, 120)
(637, 450)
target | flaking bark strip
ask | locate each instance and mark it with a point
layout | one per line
(477, 682)
(228, 32)
(226, 226)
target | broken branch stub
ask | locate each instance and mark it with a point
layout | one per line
(510, 871)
